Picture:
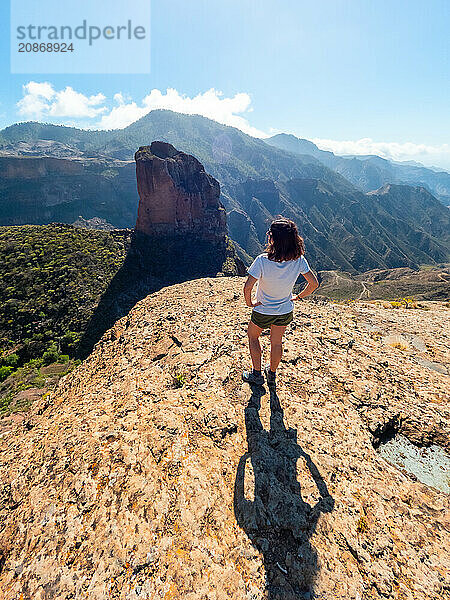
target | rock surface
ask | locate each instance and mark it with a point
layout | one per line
(152, 471)
(93, 223)
(176, 194)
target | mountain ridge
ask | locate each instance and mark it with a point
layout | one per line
(371, 172)
(412, 170)
(258, 181)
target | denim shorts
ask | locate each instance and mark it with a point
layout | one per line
(265, 321)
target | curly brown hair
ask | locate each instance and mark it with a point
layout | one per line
(284, 241)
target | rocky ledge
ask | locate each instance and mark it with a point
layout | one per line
(152, 471)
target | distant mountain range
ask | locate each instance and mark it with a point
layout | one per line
(54, 173)
(371, 172)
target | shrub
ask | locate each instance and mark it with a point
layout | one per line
(50, 355)
(5, 372)
(399, 345)
(362, 526)
(179, 380)
(179, 377)
(11, 360)
(404, 303)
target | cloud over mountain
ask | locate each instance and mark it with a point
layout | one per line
(42, 101)
(398, 151)
(212, 104)
(67, 106)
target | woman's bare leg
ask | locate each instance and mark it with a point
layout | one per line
(253, 333)
(276, 345)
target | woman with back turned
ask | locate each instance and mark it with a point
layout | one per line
(276, 272)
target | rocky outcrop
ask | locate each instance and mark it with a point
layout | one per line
(152, 471)
(34, 168)
(180, 234)
(176, 194)
(40, 148)
(94, 223)
(181, 229)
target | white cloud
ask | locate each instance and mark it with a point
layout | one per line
(43, 90)
(211, 104)
(41, 100)
(426, 154)
(69, 103)
(35, 99)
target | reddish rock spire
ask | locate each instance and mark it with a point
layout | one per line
(176, 194)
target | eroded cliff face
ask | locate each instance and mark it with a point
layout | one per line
(40, 190)
(181, 230)
(176, 194)
(152, 471)
(33, 168)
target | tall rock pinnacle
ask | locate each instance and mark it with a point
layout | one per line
(176, 194)
(180, 234)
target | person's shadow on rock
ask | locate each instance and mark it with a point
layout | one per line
(278, 521)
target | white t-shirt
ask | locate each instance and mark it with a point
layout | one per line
(275, 283)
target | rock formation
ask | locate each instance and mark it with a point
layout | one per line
(180, 234)
(152, 471)
(176, 195)
(181, 230)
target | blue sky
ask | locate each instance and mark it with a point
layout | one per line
(353, 75)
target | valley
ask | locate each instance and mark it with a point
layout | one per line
(397, 285)
(347, 225)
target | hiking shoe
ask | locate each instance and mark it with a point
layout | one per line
(269, 376)
(250, 377)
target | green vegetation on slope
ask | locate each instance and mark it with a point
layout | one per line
(51, 279)
(58, 282)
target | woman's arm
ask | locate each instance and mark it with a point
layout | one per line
(248, 286)
(312, 284)
(326, 501)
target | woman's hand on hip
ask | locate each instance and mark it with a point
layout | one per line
(253, 304)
